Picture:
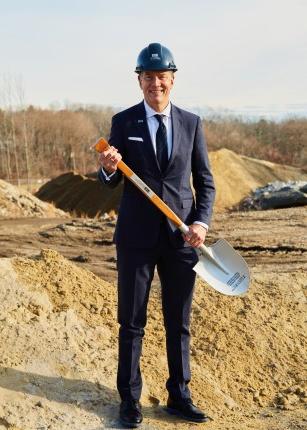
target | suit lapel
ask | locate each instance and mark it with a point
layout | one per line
(176, 128)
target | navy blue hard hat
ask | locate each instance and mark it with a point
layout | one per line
(155, 57)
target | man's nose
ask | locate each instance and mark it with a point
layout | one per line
(156, 80)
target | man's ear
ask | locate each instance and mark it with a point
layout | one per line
(139, 79)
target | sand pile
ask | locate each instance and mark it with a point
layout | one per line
(235, 177)
(15, 203)
(58, 367)
(58, 344)
(79, 194)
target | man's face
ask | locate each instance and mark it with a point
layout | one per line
(156, 87)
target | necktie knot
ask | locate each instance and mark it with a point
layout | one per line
(159, 118)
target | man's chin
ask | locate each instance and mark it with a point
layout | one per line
(156, 99)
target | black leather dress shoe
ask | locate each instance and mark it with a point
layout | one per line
(185, 409)
(130, 414)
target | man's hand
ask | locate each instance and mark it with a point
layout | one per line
(109, 159)
(196, 235)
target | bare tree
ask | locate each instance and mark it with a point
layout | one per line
(5, 131)
(20, 95)
(9, 96)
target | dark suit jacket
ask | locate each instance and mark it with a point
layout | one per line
(139, 221)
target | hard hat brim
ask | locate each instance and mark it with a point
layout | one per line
(155, 69)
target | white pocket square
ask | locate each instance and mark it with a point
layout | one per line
(138, 139)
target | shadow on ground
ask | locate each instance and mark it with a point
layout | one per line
(92, 397)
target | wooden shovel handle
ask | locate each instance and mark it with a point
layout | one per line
(101, 145)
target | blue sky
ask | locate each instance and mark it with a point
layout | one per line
(233, 54)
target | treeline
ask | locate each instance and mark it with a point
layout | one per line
(38, 143)
(283, 142)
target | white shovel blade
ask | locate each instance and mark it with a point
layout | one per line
(233, 283)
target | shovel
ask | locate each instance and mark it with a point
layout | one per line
(219, 265)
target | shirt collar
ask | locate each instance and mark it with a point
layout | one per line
(151, 112)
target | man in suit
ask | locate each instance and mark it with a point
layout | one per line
(164, 145)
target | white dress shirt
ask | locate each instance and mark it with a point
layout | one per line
(153, 125)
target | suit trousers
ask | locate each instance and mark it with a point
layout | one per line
(135, 273)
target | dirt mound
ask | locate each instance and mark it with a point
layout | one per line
(58, 367)
(15, 203)
(79, 194)
(58, 328)
(235, 177)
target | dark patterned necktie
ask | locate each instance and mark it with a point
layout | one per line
(161, 143)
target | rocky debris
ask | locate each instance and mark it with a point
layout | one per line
(276, 195)
(289, 398)
(15, 202)
(59, 328)
(80, 259)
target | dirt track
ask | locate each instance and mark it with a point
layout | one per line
(270, 240)
(247, 353)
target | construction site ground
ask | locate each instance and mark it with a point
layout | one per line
(58, 329)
